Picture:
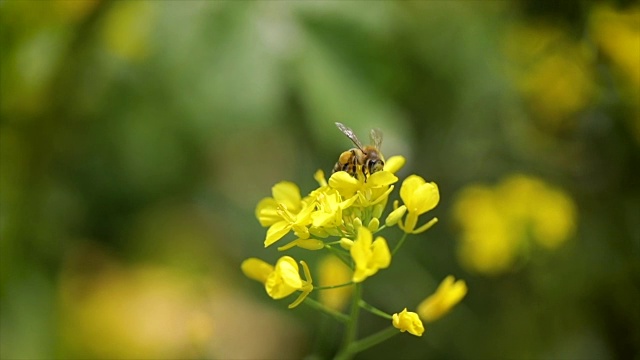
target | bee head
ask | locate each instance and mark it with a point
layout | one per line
(374, 165)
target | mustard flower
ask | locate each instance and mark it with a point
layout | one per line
(369, 256)
(330, 206)
(374, 190)
(419, 197)
(284, 192)
(297, 222)
(449, 293)
(408, 321)
(280, 280)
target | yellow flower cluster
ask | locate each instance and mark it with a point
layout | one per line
(350, 210)
(553, 72)
(616, 32)
(498, 223)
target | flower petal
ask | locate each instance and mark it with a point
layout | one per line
(256, 269)
(425, 198)
(381, 256)
(409, 186)
(276, 232)
(394, 163)
(287, 193)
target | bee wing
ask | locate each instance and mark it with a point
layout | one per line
(376, 138)
(350, 134)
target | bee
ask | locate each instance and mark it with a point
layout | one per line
(364, 159)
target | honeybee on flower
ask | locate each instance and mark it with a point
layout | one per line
(364, 160)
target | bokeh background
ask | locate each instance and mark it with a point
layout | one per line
(137, 137)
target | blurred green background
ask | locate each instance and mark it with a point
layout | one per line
(137, 137)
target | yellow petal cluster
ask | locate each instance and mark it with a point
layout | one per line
(408, 321)
(337, 207)
(449, 293)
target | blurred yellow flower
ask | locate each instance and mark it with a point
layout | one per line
(498, 223)
(369, 256)
(419, 197)
(617, 33)
(449, 293)
(134, 313)
(332, 271)
(554, 219)
(552, 71)
(408, 321)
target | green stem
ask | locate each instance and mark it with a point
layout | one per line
(374, 310)
(382, 227)
(372, 340)
(342, 256)
(352, 325)
(399, 244)
(319, 306)
(328, 287)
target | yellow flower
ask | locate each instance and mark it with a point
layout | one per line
(408, 321)
(330, 206)
(374, 190)
(419, 197)
(285, 193)
(448, 294)
(334, 272)
(283, 212)
(369, 256)
(285, 279)
(282, 280)
(297, 222)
